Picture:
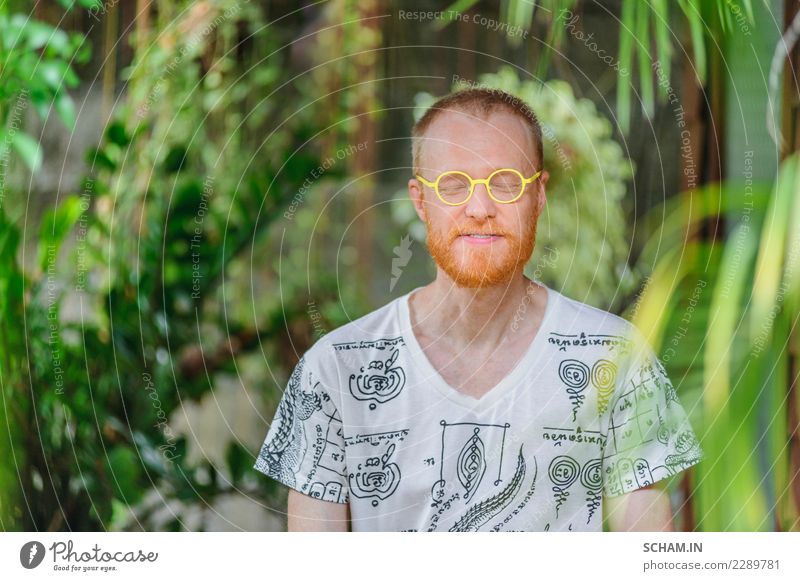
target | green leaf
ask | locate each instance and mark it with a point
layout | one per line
(645, 74)
(123, 465)
(627, 26)
(38, 34)
(239, 460)
(696, 28)
(52, 73)
(459, 6)
(663, 44)
(66, 110)
(175, 160)
(772, 247)
(117, 134)
(55, 226)
(28, 149)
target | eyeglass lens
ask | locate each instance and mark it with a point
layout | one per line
(504, 186)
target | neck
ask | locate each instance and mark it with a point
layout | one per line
(476, 317)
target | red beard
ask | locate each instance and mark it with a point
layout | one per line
(476, 265)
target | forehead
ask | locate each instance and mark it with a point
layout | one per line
(458, 139)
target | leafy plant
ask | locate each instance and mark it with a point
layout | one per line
(36, 69)
(645, 36)
(740, 298)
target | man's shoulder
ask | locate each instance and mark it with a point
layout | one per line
(577, 316)
(578, 312)
(381, 323)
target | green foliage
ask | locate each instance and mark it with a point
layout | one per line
(705, 20)
(581, 244)
(37, 68)
(171, 209)
(726, 330)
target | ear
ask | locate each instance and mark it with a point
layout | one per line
(415, 193)
(541, 187)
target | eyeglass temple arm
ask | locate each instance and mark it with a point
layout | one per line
(533, 177)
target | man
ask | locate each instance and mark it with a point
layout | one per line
(484, 401)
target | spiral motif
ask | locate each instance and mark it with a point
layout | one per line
(604, 373)
(564, 471)
(472, 464)
(663, 432)
(574, 374)
(592, 475)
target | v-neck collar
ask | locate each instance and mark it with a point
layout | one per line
(528, 361)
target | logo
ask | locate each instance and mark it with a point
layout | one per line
(31, 554)
(402, 254)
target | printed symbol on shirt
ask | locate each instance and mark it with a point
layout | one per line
(332, 491)
(625, 475)
(613, 342)
(688, 452)
(479, 514)
(282, 454)
(376, 477)
(471, 464)
(472, 460)
(592, 480)
(575, 375)
(577, 435)
(604, 377)
(381, 381)
(563, 472)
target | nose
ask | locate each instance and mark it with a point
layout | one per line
(480, 205)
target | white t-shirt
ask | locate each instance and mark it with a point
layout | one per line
(588, 411)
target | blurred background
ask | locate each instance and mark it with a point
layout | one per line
(192, 192)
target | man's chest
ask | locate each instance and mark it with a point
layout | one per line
(471, 372)
(441, 468)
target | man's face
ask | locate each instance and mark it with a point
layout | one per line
(460, 141)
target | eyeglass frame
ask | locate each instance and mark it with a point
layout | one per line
(485, 181)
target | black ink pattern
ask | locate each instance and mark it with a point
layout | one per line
(472, 461)
(381, 381)
(332, 491)
(563, 472)
(386, 343)
(578, 435)
(575, 375)
(376, 477)
(282, 454)
(471, 464)
(688, 452)
(445, 506)
(613, 342)
(604, 376)
(328, 455)
(625, 475)
(592, 480)
(376, 438)
(480, 513)
(524, 500)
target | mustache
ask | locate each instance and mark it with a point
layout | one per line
(485, 230)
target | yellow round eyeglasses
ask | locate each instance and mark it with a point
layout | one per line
(456, 187)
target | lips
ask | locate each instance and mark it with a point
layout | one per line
(478, 238)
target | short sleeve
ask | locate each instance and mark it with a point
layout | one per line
(649, 436)
(304, 446)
